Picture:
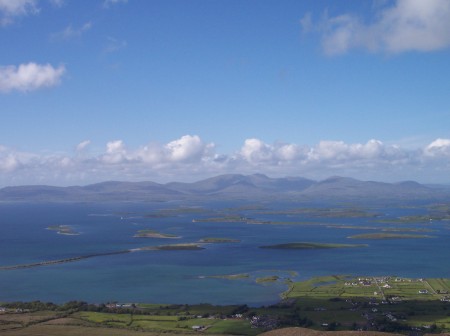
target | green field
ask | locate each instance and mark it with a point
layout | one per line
(336, 302)
(399, 303)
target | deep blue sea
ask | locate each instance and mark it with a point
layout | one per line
(181, 276)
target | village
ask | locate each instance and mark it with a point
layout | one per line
(388, 303)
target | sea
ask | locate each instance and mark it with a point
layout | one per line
(200, 276)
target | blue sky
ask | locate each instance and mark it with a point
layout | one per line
(162, 90)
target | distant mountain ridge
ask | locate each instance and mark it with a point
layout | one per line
(230, 186)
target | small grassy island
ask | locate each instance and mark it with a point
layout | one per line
(222, 219)
(153, 234)
(230, 276)
(172, 247)
(388, 236)
(310, 246)
(218, 240)
(267, 279)
(326, 212)
(63, 230)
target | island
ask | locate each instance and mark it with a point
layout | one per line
(326, 212)
(230, 276)
(384, 229)
(154, 234)
(388, 236)
(218, 240)
(310, 246)
(222, 219)
(267, 279)
(172, 247)
(63, 230)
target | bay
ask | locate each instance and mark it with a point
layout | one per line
(184, 276)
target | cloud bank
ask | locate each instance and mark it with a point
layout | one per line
(400, 26)
(190, 158)
(29, 77)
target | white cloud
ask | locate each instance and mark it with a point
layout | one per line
(115, 152)
(13, 8)
(191, 158)
(407, 25)
(338, 150)
(9, 163)
(70, 32)
(12, 160)
(254, 150)
(438, 148)
(29, 77)
(186, 148)
(83, 145)
(257, 152)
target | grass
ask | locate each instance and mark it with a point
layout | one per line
(68, 330)
(267, 279)
(345, 299)
(440, 285)
(153, 234)
(233, 327)
(321, 300)
(169, 324)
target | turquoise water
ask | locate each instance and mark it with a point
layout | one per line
(181, 276)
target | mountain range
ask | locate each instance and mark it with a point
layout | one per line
(231, 186)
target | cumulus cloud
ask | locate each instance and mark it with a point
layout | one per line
(115, 152)
(9, 163)
(189, 158)
(70, 32)
(83, 145)
(12, 160)
(257, 152)
(29, 77)
(9, 9)
(405, 25)
(186, 148)
(338, 150)
(438, 148)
